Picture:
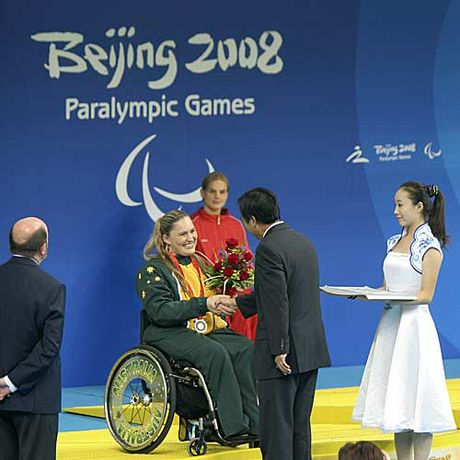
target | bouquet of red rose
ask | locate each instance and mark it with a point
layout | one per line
(233, 270)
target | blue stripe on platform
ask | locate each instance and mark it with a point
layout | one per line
(81, 396)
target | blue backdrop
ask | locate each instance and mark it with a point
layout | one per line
(112, 112)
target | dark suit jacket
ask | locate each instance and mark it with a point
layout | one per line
(31, 325)
(286, 296)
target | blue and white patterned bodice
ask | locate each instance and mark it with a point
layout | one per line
(423, 240)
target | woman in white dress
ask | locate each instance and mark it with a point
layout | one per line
(403, 390)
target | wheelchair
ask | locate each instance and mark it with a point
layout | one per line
(145, 389)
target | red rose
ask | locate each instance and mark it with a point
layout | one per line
(233, 259)
(217, 266)
(228, 271)
(244, 275)
(247, 256)
(231, 243)
(231, 291)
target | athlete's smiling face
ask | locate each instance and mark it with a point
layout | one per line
(182, 237)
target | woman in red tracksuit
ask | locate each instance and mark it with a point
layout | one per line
(214, 226)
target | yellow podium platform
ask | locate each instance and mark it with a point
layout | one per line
(331, 428)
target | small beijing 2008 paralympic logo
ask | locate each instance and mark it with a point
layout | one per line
(392, 152)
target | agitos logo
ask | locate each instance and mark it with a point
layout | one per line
(430, 153)
(121, 184)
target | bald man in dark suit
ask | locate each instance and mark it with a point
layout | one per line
(31, 324)
(290, 341)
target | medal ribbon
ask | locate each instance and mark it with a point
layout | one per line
(177, 266)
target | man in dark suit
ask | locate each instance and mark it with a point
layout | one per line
(31, 324)
(290, 341)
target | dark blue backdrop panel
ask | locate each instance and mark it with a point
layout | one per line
(113, 114)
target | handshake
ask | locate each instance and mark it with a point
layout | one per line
(222, 305)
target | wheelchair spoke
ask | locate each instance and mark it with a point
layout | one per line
(134, 390)
(137, 409)
(132, 414)
(139, 383)
(146, 411)
(125, 409)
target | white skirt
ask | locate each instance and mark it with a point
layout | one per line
(403, 386)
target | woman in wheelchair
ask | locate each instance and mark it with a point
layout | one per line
(185, 322)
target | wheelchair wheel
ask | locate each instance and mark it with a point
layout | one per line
(140, 399)
(197, 447)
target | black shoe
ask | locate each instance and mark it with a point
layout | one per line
(254, 444)
(242, 438)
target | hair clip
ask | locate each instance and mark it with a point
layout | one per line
(432, 190)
